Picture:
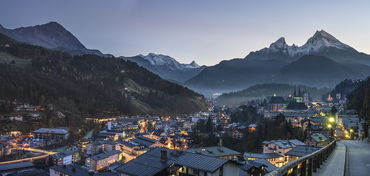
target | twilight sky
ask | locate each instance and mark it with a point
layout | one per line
(206, 31)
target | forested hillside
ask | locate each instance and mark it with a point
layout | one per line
(88, 84)
(359, 99)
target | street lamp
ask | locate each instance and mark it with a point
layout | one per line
(331, 119)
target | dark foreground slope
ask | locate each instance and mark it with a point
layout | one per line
(88, 84)
(359, 99)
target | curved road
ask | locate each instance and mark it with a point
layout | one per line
(358, 158)
(44, 152)
(350, 158)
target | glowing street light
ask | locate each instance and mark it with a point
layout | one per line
(329, 126)
(351, 130)
(331, 119)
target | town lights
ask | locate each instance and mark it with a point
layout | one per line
(329, 126)
(331, 119)
(351, 130)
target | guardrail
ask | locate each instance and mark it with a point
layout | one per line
(305, 165)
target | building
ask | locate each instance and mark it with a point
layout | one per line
(101, 146)
(300, 151)
(103, 160)
(65, 158)
(145, 142)
(166, 162)
(51, 133)
(275, 159)
(130, 147)
(280, 146)
(216, 151)
(252, 168)
(6, 169)
(317, 139)
(75, 170)
(276, 103)
(68, 170)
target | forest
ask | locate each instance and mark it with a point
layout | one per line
(87, 85)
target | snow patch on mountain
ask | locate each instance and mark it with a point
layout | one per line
(163, 60)
(320, 40)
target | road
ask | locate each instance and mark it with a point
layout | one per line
(44, 152)
(358, 158)
(334, 165)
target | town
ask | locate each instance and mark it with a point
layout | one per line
(223, 140)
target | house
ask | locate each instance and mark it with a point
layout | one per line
(130, 147)
(276, 103)
(68, 170)
(166, 162)
(300, 151)
(252, 168)
(146, 142)
(51, 133)
(6, 169)
(216, 151)
(280, 146)
(101, 146)
(75, 170)
(274, 158)
(16, 118)
(269, 167)
(103, 160)
(317, 139)
(252, 127)
(65, 158)
(32, 172)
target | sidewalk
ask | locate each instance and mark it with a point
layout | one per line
(334, 165)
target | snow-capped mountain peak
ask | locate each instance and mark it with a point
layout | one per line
(320, 40)
(323, 39)
(164, 60)
(279, 44)
(159, 59)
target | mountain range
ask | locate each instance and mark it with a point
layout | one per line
(88, 84)
(323, 61)
(51, 35)
(54, 36)
(167, 67)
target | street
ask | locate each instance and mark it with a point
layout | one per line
(46, 154)
(358, 157)
(334, 165)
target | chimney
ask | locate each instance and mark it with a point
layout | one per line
(163, 155)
